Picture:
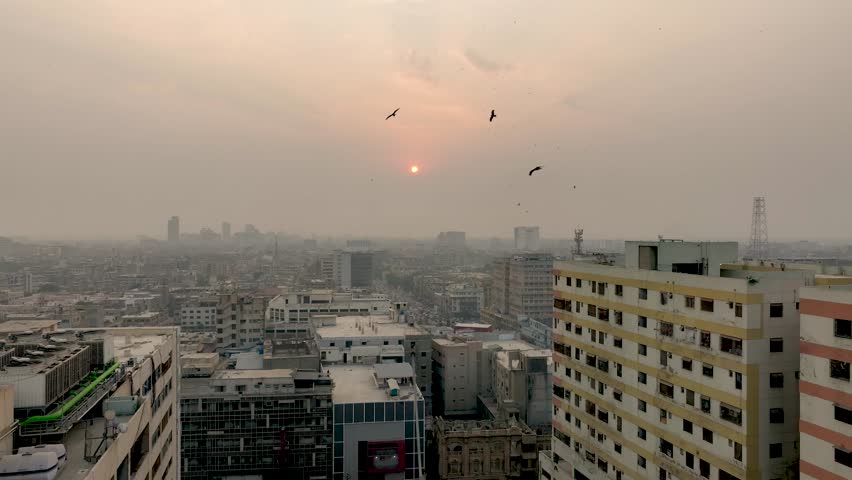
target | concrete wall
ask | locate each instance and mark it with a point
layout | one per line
(7, 417)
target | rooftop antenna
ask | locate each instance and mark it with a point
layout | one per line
(759, 245)
(578, 242)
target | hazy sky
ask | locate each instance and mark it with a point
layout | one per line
(668, 116)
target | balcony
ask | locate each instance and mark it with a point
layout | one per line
(731, 414)
(731, 345)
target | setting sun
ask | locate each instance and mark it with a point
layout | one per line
(414, 169)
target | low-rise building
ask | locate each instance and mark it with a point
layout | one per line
(289, 314)
(198, 315)
(379, 422)
(498, 449)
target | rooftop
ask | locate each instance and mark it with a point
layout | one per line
(365, 326)
(357, 384)
(19, 326)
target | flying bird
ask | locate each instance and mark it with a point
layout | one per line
(392, 114)
(492, 116)
(535, 169)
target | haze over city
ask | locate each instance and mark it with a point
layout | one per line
(668, 117)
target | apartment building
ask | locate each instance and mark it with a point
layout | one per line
(825, 391)
(239, 321)
(663, 374)
(495, 378)
(521, 287)
(461, 303)
(92, 404)
(271, 423)
(199, 315)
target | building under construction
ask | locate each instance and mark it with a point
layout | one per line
(274, 423)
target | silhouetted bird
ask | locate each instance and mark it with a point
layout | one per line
(392, 114)
(535, 169)
(492, 116)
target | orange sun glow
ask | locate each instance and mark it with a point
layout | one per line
(414, 169)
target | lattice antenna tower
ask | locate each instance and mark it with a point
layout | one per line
(578, 241)
(759, 246)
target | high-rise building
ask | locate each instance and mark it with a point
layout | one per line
(678, 367)
(825, 392)
(174, 229)
(92, 404)
(270, 423)
(526, 239)
(239, 321)
(521, 286)
(199, 314)
(226, 231)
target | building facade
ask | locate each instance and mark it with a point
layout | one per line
(660, 374)
(239, 321)
(484, 449)
(272, 423)
(526, 239)
(521, 287)
(461, 303)
(290, 313)
(825, 391)
(353, 269)
(174, 229)
(199, 315)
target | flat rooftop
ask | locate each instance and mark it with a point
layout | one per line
(373, 326)
(19, 326)
(356, 384)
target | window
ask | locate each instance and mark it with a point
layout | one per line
(579, 283)
(776, 415)
(643, 378)
(776, 380)
(738, 451)
(839, 369)
(776, 310)
(776, 345)
(616, 395)
(617, 447)
(686, 363)
(618, 317)
(843, 457)
(556, 280)
(667, 389)
(643, 407)
(643, 294)
(643, 349)
(619, 290)
(689, 302)
(567, 281)
(738, 310)
(641, 433)
(666, 448)
(706, 304)
(707, 435)
(640, 460)
(843, 414)
(687, 426)
(591, 310)
(594, 286)
(775, 450)
(842, 328)
(730, 414)
(690, 460)
(738, 380)
(667, 329)
(664, 298)
(616, 342)
(704, 468)
(618, 369)
(705, 404)
(690, 397)
(731, 345)
(643, 322)
(705, 339)
(707, 370)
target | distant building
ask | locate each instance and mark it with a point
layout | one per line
(28, 284)
(199, 314)
(825, 394)
(174, 229)
(353, 269)
(451, 240)
(87, 314)
(271, 423)
(226, 231)
(521, 286)
(379, 422)
(310, 243)
(461, 303)
(239, 321)
(491, 449)
(91, 404)
(526, 239)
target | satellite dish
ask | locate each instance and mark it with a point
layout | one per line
(109, 415)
